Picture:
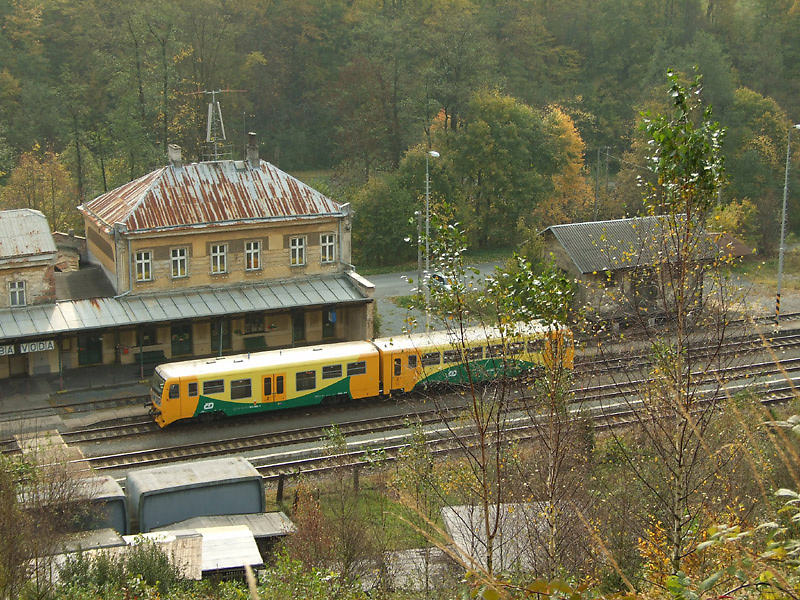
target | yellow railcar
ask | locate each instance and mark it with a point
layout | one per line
(276, 379)
(263, 381)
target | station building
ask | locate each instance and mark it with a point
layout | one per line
(192, 259)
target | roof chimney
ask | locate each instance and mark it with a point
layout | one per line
(252, 151)
(174, 155)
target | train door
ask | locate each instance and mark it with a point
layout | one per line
(397, 372)
(190, 396)
(402, 371)
(274, 388)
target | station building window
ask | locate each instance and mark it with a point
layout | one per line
(254, 324)
(147, 335)
(178, 263)
(297, 251)
(144, 265)
(16, 293)
(219, 259)
(252, 255)
(327, 248)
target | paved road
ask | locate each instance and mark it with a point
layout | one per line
(391, 285)
(394, 320)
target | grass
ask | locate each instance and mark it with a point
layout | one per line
(471, 257)
(375, 506)
(764, 272)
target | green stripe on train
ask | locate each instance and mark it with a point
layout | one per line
(232, 407)
(480, 370)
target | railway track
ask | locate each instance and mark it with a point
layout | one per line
(777, 342)
(454, 440)
(304, 443)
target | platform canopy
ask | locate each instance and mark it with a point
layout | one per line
(98, 313)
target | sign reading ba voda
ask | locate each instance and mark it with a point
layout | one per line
(26, 347)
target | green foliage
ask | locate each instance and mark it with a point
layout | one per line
(503, 160)
(145, 563)
(521, 294)
(686, 154)
(383, 222)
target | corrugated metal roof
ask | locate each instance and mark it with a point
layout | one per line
(78, 315)
(24, 233)
(208, 193)
(262, 525)
(189, 475)
(620, 243)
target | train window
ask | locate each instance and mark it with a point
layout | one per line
(475, 353)
(215, 386)
(193, 389)
(398, 366)
(535, 345)
(516, 347)
(306, 380)
(174, 391)
(412, 361)
(331, 371)
(429, 359)
(267, 386)
(356, 368)
(240, 388)
(279, 384)
(495, 350)
(452, 356)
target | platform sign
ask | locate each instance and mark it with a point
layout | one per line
(27, 347)
(39, 346)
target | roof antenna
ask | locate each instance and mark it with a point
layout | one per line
(216, 146)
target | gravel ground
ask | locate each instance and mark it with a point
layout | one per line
(758, 300)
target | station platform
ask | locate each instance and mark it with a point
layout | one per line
(40, 402)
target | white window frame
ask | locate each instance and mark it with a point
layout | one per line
(143, 261)
(252, 255)
(327, 248)
(219, 259)
(16, 293)
(179, 259)
(297, 251)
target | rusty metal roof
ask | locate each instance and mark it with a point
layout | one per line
(207, 194)
(24, 234)
(78, 315)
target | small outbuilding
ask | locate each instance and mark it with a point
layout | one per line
(617, 263)
(166, 495)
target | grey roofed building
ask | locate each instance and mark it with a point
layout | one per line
(621, 244)
(24, 237)
(615, 262)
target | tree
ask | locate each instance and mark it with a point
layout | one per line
(383, 210)
(42, 501)
(571, 197)
(43, 184)
(502, 162)
(675, 460)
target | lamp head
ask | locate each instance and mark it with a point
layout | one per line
(435, 154)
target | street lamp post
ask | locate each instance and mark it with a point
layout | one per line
(782, 248)
(434, 154)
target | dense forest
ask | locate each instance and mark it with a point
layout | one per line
(533, 104)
